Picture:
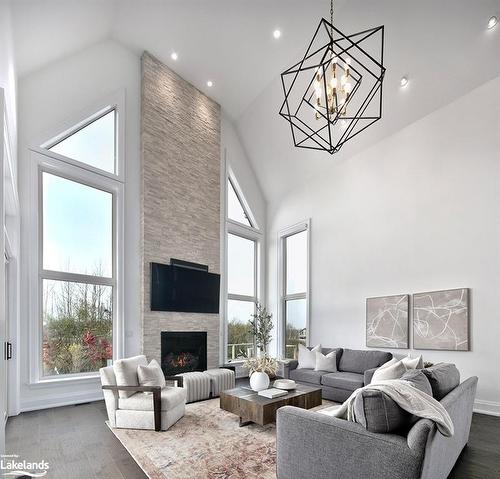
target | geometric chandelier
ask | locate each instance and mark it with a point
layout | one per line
(335, 91)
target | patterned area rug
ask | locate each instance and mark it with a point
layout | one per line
(206, 443)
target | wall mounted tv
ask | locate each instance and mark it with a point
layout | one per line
(184, 287)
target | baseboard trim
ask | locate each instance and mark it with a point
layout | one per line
(487, 407)
(59, 401)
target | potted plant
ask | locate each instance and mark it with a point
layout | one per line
(259, 370)
(261, 326)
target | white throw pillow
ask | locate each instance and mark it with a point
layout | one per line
(389, 363)
(412, 363)
(394, 371)
(326, 363)
(126, 373)
(307, 359)
(151, 375)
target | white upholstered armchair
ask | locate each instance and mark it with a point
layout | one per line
(134, 406)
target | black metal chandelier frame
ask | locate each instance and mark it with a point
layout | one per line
(334, 48)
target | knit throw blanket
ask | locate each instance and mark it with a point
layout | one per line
(408, 397)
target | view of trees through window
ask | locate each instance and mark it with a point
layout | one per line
(77, 327)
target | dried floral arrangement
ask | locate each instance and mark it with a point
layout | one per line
(264, 365)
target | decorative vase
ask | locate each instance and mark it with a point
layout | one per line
(259, 381)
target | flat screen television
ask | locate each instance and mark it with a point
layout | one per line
(175, 288)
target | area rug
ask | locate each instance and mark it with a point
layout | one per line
(206, 443)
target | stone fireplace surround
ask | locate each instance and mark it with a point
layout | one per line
(180, 195)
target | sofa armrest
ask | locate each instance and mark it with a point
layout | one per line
(369, 375)
(156, 390)
(285, 366)
(310, 444)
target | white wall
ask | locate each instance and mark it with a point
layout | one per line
(10, 214)
(417, 212)
(51, 96)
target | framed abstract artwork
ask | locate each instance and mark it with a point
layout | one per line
(441, 320)
(387, 322)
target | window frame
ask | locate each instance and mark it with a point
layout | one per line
(283, 297)
(249, 233)
(46, 161)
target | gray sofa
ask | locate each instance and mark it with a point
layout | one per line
(355, 370)
(310, 444)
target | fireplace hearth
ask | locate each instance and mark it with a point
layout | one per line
(183, 352)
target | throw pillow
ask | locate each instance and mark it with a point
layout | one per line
(444, 377)
(394, 371)
(326, 363)
(126, 373)
(151, 375)
(377, 412)
(307, 358)
(419, 380)
(389, 363)
(411, 363)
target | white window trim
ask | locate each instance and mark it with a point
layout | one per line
(43, 162)
(114, 101)
(247, 232)
(282, 296)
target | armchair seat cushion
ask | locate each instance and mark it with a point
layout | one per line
(343, 380)
(307, 375)
(170, 398)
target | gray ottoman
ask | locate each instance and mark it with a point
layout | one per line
(220, 380)
(197, 385)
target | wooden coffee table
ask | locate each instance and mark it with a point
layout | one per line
(251, 407)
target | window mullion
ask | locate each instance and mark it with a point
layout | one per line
(76, 278)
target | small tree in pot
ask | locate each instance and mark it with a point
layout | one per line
(261, 326)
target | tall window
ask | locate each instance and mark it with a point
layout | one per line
(294, 260)
(78, 218)
(242, 276)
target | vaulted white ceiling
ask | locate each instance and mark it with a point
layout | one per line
(443, 47)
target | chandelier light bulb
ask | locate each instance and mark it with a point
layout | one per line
(210, 84)
(277, 34)
(174, 56)
(404, 82)
(492, 22)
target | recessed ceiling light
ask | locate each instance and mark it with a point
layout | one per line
(174, 56)
(210, 83)
(404, 82)
(492, 22)
(277, 34)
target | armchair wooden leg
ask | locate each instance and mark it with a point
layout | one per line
(157, 409)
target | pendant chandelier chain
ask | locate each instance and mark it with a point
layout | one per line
(331, 17)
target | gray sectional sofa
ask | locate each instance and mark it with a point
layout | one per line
(355, 370)
(311, 444)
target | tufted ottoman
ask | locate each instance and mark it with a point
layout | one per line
(220, 380)
(197, 385)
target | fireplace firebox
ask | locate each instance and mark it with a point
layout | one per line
(183, 352)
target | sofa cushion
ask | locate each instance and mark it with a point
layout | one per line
(126, 373)
(358, 361)
(377, 412)
(444, 377)
(170, 397)
(343, 380)
(307, 357)
(307, 375)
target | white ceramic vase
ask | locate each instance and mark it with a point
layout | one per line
(259, 381)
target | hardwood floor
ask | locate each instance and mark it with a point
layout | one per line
(77, 444)
(74, 440)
